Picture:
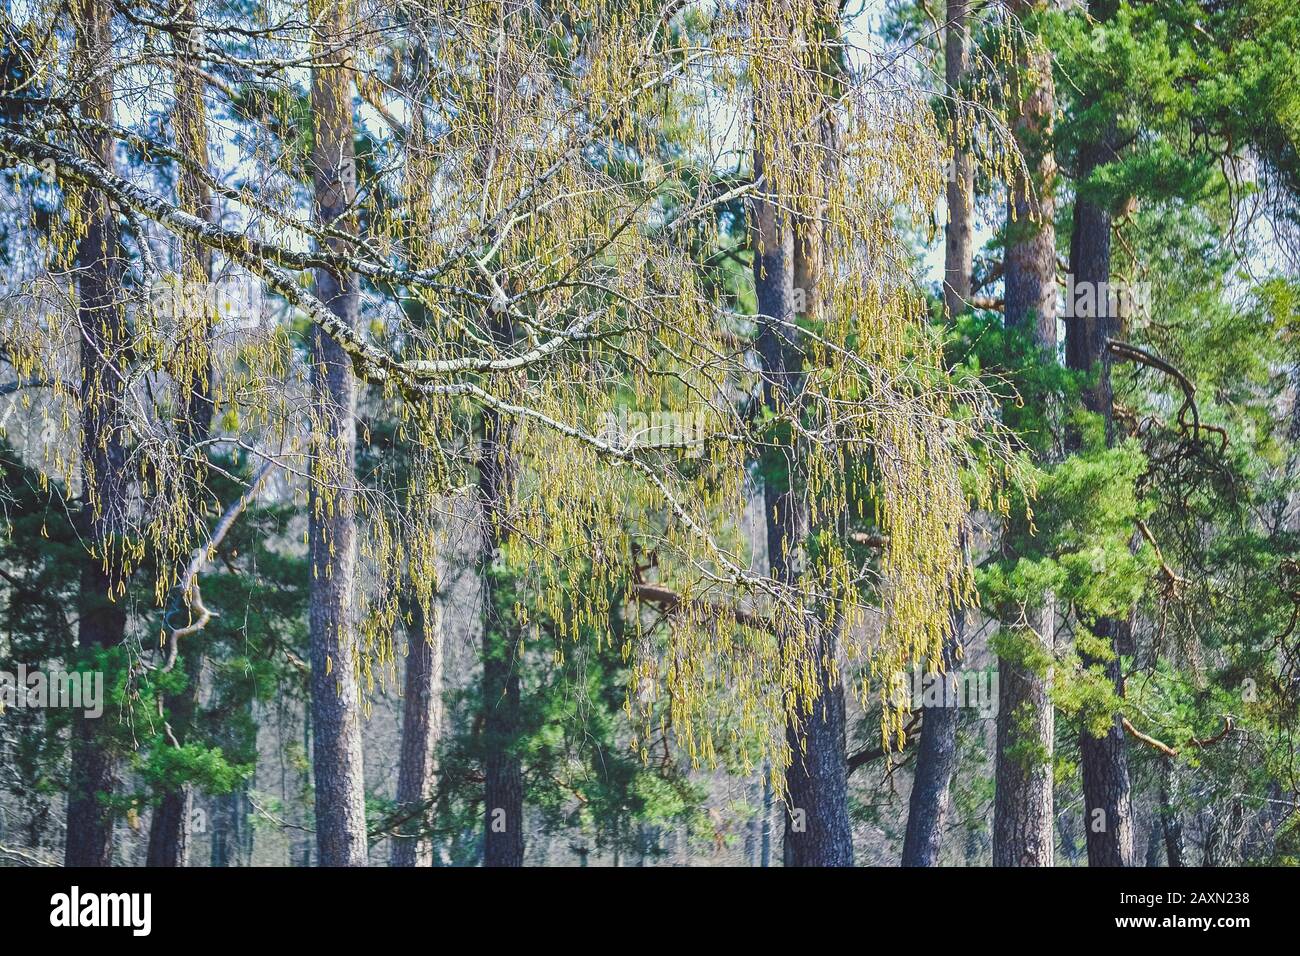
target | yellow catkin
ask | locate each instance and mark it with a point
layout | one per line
(531, 177)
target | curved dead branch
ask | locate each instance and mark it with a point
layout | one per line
(188, 588)
(1195, 742)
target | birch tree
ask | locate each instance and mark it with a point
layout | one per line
(553, 239)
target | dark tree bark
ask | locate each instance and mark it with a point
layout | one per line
(105, 486)
(1090, 321)
(936, 760)
(1029, 273)
(1022, 809)
(959, 243)
(421, 721)
(220, 850)
(816, 783)
(1170, 817)
(331, 533)
(503, 789)
(817, 779)
(1107, 796)
(169, 833)
(1155, 844)
(1107, 791)
(302, 843)
(231, 832)
(817, 828)
(765, 846)
(1022, 814)
(169, 830)
(788, 264)
(936, 757)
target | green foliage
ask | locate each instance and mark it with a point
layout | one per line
(585, 774)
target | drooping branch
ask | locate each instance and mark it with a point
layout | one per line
(23, 858)
(670, 602)
(1133, 353)
(188, 589)
(869, 539)
(1194, 742)
(267, 260)
(1174, 578)
(995, 272)
(9, 388)
(872, 754)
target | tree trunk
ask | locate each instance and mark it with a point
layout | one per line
(1022, 808)
(959, 246)
(169, 829)
(816, 783)
(224, 830)
(817, 828)
(105, 486)
(752, 826)
(765, 847)
(787, 269)
(936, 760)
(169, 833)
(336, 732)
(302, 842)
(936, 757)
(503, 788)
(1022, 815)
(1170, 815)
(1155, 840)
(219, 833)
(1029, 273)
(1108, 806)
(1089, 320)
(421, 721)
(1107, 793)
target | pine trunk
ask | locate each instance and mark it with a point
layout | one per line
(105, 486)
(1108, 804)
(936, 757)
(1170, 816)
(421, 720)
(169, 833)
(503, 788)
(1023, 831)
(336, 731)
(936, 761)
(959, 243)
(1107, 793)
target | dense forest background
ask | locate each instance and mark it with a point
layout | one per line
(763, 432)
